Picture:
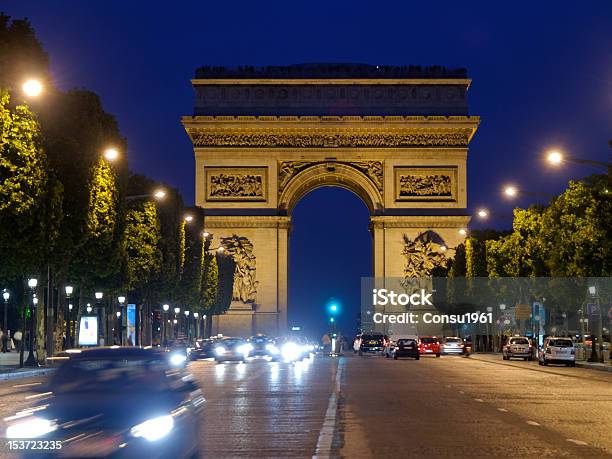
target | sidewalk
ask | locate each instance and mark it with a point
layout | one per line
(579, 363)
(9, 367)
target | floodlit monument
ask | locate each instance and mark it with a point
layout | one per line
(264, 137)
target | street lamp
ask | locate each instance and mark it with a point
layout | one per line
(483, 213)
(111, 154)
(159, 194)
(556, 158)
(196, 316)
(88, 308)
(6, 295)
(31, 361)
(594, 357)
(187, 324)
(121, 300)
(32, 87)
(188, 218)
(463, 231)
(68, 289)
(165, 307)
(510, 191)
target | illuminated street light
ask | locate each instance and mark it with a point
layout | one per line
(510, 191)
(196, 315)
(159, 194)
(483, 213)
(6, 295)
(177, 310)
(188, 218)
(32, 283)
(165, 307)
(32, 88)
(69, 289)
(111, 154)
(99, 295)
(463, 231)
(118, 314)
(205, 234)
(121, 299)
(186, 313)
(554, 157)
(88, 308)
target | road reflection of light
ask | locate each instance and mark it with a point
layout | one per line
(273, 371)
(241, 368)
(219, 372)
(298, 369)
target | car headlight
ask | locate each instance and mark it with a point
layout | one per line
(177, 359)
(219, 350)
(272, 349)
(153, 429)
(290, 351)
(32, 427)
(245, 348)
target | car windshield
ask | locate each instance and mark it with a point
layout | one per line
(453, 340)
(110, 375)
(429, 340)
(230, 342)
(560, 343)
(371, 337)
(405, 342)
(519, 341)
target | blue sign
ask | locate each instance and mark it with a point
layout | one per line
(131, 325)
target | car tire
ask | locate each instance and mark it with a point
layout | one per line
(545, 363)
(395, 357)
(540, 362)
(418, 357)
(530, 358)
(573, 364)
(525, 358)
(437, 355)
(360, 353)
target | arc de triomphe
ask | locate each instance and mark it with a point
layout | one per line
(264, 137)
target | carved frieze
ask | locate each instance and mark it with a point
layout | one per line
(236, 183)
(372, 169)
(423, 255)
(425, 183)
(241, 250)
(456, 138)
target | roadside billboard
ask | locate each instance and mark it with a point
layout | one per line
(88, 331)
(131, 324)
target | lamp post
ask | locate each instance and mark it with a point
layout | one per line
(502, 308)
(99, 296)
(187, 325)
(121, 300)
(196, 316)
(488, 343)
(176, 326)
(6, 295)
(31, 361)
(594, 355)
(556, 158)
(68, 289)
(165, 307)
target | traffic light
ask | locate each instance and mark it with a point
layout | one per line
(332, 320)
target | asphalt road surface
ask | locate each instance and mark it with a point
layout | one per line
(375, 407)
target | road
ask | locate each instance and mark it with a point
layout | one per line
(376, 407)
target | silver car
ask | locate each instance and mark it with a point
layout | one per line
(452, 345)
(557, 350)
(518, 347)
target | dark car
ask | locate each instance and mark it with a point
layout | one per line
(407, 348)
(203, 349)
(372, 344)
(261, 345)
(232, 349)
(115, 402)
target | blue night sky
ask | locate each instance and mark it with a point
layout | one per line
(542, 77)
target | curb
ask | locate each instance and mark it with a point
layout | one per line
(603, 367)
(18, 374)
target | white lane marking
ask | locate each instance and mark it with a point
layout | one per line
(28, 384)
(577, 442)
(478, 400)
(461, 392)
(503, 410)
(326, 435)
(533, 423)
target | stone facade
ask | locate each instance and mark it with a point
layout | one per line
(406, 162)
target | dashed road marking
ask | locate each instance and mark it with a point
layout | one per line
(533, 423)
(478, 400)
(326, 435)
(28, 384)
(503, 410)
(577, 442)
(461, 392)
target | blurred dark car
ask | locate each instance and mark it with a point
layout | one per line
(179, 352)
(120, 402)
(261, 346)
(232, 349)
(372, 344)
(203, 349)
(407, 347)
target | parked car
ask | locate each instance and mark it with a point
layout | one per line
(372, 343)
(123, 402)
(453, 345)
(519, 347)
(430, 345)
(557, 350)
(406, 347)
(232, 349)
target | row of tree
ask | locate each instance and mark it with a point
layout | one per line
(69, 216)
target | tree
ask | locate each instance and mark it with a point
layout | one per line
(142, 237)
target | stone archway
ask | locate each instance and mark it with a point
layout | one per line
(264, 138)
(330, 173)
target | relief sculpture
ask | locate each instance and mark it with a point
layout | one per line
(425, 185)
(226, 185)
(241, 250)
(423, 256)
